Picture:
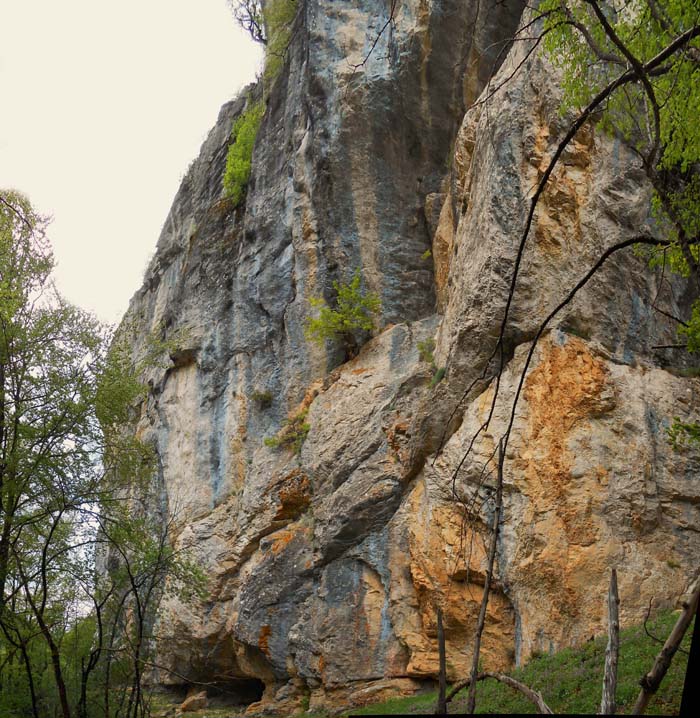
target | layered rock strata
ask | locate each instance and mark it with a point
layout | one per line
(326, 567)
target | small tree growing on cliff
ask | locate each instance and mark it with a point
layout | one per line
(354, 311)
(249, 15)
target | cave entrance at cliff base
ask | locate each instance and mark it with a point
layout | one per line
(235, 692)
(240, 692)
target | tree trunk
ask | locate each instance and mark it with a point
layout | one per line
(690, 706)
(30, 679)
(607, 702)
(651, 681)
(471, 701)
(441, 708)
(56, 663)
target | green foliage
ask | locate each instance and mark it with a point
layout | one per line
(570, 681)
(425, 351)
(68, 393)
(437, 377)
(354, 311)
(578, 42)
(240, 151)
(52, 356)
(691, 331)
(279, 16)
(262, 398)
(270, 24)
(587, 66)
(682, 433)
(426, 255)
(292, 434)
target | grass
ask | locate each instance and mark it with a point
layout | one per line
(570, 681)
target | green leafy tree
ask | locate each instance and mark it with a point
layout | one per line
(644, 57)
(50, 358)
(354, 312)
(636, 68)
(68, 467)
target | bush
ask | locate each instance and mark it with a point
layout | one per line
(240, 151)
(292, 434)
(354, 311)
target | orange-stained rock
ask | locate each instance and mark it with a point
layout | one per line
(575, 504)
(442, 251)
(444, 566)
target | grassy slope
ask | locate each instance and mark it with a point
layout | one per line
(571, 681)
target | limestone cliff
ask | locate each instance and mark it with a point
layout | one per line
(325, 567)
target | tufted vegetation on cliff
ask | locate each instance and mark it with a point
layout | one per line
(240, 151)
(279, 16)
(292, 434)
(271, 24)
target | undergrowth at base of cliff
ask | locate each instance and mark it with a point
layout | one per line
(570, 681)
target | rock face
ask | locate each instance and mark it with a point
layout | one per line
(326, 567)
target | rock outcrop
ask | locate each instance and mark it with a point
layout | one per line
(326, 567)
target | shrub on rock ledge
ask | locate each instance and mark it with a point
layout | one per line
(354, 311)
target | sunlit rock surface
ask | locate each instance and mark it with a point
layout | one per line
(326, 568)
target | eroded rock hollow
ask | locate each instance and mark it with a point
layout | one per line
(325, 567)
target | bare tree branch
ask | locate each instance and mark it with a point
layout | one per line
(532, 695)
(641, 74)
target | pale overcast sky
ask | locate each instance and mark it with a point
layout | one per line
(104, 104)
